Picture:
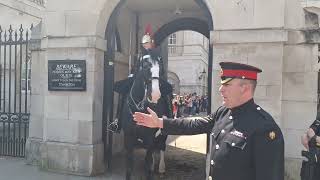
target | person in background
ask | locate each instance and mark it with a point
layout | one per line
(310, 169)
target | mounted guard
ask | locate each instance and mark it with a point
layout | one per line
(123, 86)
(145, 87)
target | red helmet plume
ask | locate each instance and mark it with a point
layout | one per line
(147, 37)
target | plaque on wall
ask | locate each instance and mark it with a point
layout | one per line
(66, 75)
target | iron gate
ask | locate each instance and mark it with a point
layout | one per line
(15, 69)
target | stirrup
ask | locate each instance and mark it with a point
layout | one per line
(114, 127)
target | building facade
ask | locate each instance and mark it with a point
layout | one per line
(66, 132)
(188, 62)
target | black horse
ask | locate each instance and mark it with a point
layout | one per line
(145, 89)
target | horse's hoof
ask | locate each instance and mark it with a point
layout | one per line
(162, 175)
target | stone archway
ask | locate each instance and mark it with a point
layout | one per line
(68, 127)
(192, 24)
(108, 6)
(66, 134)
(174, 80)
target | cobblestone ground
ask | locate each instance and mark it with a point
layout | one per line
(184, 158)
(181, 164)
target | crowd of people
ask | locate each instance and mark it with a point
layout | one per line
(189, 104)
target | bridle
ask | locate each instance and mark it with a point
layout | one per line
(140, 105)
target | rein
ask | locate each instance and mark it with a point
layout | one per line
(140, 106)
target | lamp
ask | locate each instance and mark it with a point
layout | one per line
(202, 74)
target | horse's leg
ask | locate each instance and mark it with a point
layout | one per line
(162, 165)
(153, 161)
(162, 147)
(129, 156)
(149, 164)
(129, 163)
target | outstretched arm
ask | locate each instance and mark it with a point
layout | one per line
(181, 126)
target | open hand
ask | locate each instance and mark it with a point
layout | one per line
(148, 120)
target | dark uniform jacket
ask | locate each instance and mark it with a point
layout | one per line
(245, 142)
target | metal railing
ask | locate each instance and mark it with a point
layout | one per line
(15, 60)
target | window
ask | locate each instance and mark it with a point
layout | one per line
(172, 44)
(173, 39)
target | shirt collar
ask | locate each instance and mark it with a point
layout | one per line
(243, 107)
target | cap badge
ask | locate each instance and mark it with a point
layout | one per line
(221, 72)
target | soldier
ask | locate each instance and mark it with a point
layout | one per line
(245, 141)
(310, 169)
(123, 86)
(147, 40)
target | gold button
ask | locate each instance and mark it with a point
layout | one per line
(212, 162)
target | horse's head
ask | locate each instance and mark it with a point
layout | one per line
(151, 68)
(146, 87)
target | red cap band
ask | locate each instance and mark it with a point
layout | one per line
(245, 74)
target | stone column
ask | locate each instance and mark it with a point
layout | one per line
(299, 84)
(66, 126)
(247, 32)
(37, 98)
(72, 121)
(262, 48)
(299, 97)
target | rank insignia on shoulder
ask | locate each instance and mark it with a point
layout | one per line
(272, 135)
